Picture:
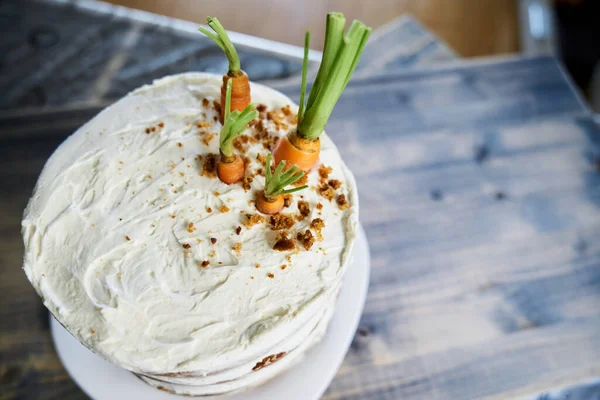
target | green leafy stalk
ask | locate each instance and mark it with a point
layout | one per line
(222, 40)
(276, 182)
(340, 57)
(235, 123)
(304, 73)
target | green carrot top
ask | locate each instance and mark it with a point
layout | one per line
(276, 182)
(222, 40)
(234, 123)
(340, 56)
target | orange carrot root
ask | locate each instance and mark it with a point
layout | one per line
(231, 172)
(240, 92)
(297, 151)
(269, 207)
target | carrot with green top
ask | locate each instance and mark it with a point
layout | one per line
(230, 167)
(270, 201)
(240, 93)
(341, 53)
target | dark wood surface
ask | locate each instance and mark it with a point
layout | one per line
(480, 195)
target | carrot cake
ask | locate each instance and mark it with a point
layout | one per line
(150, 261)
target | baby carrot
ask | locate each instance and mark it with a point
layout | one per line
(341, 53)
(270, 201)
(230, 167)
(240, 93)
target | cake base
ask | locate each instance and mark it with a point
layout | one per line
(101, 379)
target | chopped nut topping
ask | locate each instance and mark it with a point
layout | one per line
(324, 171)
(161, 125)
(319, 206)
(205, 263)
(281, 221)
(342, 202)
(205, 103)
(186, 246)
(253, 219)
(224, 209)
(286, 110)
(334, 183)
(209, 167)
(247, 183)
(208, 138)
(283, 267)
(179, 144)
(284, 244)
(213, 240)
(237, 248)
(287, 200)
(127, 238)
(191, 227)
(256, 266)
(304, 208)
(261, 108)
(147, 131)
(270, 275)
(326, 191)
(262, 159)
(317, 225)
(238, 230)
(307, 239)
(208, 209)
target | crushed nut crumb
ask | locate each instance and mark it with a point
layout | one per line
(326, 191)
(284, 244)
(205, 263)
(317, 225)
(127, 238)
(342, 202)
(334, 183)
(224, 209)
(270, 275)
(237, 248)
(304, 208)
(281, 221)
(247, 183)
(186, 246)
(213, 240)
(209, 167)
(324, 171)
(238, 230)
(307, 239)
(287, 200)
(253, 219)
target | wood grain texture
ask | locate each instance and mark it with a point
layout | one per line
(480, 195)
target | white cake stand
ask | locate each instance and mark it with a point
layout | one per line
(102, 380)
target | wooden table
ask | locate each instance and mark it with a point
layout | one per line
(480, 195)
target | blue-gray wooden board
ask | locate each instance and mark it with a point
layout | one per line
(480, 194)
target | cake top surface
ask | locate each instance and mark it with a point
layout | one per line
(151, 261)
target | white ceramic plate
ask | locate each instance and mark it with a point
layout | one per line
(102, 380)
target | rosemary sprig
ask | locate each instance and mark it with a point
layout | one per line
(276, 182)
(222, 40)
(236, 122)
(340, 56)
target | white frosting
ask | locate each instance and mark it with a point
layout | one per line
(106, 227)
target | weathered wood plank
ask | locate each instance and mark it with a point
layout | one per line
(480, 193)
